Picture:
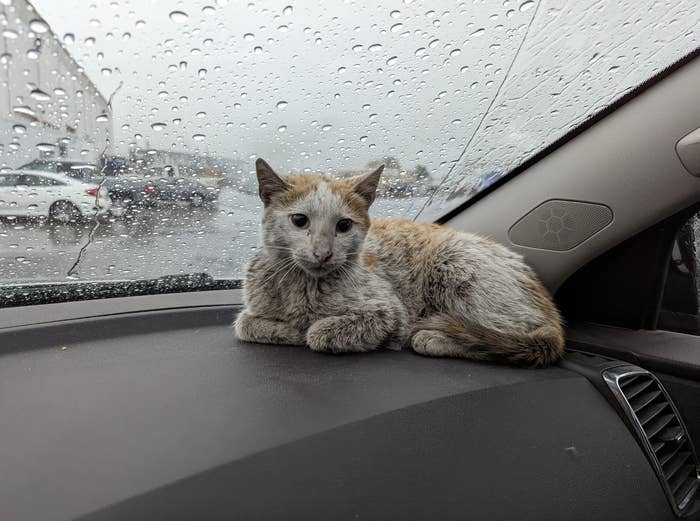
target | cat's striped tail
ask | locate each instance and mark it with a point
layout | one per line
(540, 347)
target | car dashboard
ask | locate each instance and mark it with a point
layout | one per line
(120, 410)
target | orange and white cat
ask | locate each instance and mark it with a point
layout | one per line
(328, 277)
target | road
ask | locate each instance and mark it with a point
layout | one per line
(162, 241)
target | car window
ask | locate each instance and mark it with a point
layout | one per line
(681, 299)
(448, 95)
(37, 180)
(8, 179)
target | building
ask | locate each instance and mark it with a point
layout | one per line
(49, 108)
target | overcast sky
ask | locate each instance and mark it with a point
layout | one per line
(334, 84)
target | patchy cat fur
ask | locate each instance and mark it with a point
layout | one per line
(387, 283)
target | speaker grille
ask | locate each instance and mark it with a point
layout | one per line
(560, 225)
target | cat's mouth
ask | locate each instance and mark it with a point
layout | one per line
(316, 269)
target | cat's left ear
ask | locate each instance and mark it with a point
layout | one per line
(366, 187)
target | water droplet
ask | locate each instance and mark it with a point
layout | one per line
(455, 52)
(283, 28)
(526, 6)
(202, 73)
(19, 129)
(257, 49)
(140, 23)
(39, 95)
(102, 118)
(208, 10)
(375, 47)
(126, 36)
(479, 32)
(68, 38)
(613, 68)
(158, 126)
(392, 60)
(326, 128)
(456, 121)
(179, 17)
(45, 147)
(9, 33)
(5, 57)
(357, 48)
(248, 37)
(433, 43)
(23, 109)
(89, 41)
(510, 13)
(200, 114)
(281, 104)
(106, 72)
(38, 26)
(396, 28)
(199, 137)
(288, 10)
(33, 54)
(282, 128)
(420, 51)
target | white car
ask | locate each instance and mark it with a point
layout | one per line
(25, 193)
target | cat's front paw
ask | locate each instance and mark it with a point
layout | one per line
(323, 336)
(340, 334)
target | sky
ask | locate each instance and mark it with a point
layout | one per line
(465, 88)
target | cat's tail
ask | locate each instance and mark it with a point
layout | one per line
(542, 346)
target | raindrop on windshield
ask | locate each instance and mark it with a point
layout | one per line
(396, 28)
(32, 54)
(395, 13)
(375, 47)
(179, 17)
(478, 32)
(201, 114)
(38, 26)
(102, 118)
(209, 10)
(45, 147)
(158, 126)
(281, 104)
(248, 37)
(282, 128)
(39, 95)
(19, 129)
(357, 48)
(326, 128)
(58, 91)
(288, 10)
(202, 73)
(392, 60)
(106, 72)
(199, 137)
(455, 52)
(526, 6)
(283, 28)
(68, 38)
(9, 33)
(139, 24)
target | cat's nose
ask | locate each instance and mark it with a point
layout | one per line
(323, 256)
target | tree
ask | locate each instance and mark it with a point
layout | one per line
(387, 161)
(421, 173)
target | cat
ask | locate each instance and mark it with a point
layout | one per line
(329, 278)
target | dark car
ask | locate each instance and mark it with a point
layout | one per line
(181, 189)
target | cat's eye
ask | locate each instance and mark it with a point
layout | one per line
(299, 220)
(344, 225)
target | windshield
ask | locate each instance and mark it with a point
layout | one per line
(175, 99)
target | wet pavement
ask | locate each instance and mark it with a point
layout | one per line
(170, 239)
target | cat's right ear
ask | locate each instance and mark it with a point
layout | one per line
(269, 183)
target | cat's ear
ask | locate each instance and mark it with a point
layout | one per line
(366, 187)
(269, 183)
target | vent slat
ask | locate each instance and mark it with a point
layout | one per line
(687, 491)
(657, 446)
(670, 452)
(675, 464)
(651, 412)
(674, 433)
(643, 399)
(636, 387)
(675, 483)
(658, 423)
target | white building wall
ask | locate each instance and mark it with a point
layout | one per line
(67, 118)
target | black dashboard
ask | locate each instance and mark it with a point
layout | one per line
(164, 414)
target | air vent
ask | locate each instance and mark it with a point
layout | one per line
(661, 432)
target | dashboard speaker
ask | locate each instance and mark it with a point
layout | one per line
(560, 225)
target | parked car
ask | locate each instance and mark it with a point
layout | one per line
(124, 192)
(24, 193)
(181, 189)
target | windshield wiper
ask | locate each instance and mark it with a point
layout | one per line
(54, 292)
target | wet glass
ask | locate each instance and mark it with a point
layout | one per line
(159, 109)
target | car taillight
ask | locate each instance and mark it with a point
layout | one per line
(149, 190)
(93, 191)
